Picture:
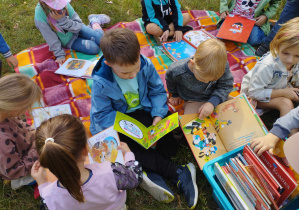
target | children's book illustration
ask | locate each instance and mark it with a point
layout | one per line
(103, 147)
(145, 136)
(76, 68)
(232, 124)
(196, 37)
(236, 28)
(42, 114)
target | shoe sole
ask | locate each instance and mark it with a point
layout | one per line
(193, 175)
(106, 16)
(159, 193)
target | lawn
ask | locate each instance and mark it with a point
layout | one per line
(18, 29)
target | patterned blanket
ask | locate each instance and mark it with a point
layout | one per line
(38, 63)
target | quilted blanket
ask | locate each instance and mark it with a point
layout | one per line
(38, 63)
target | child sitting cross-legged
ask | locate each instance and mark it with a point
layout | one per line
(267, 83)
(126, 81)
(203, 81)
(18, 93)
(62, 147)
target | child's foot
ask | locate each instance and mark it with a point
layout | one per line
(155, 185)
(157, 39)
(262, 49)
(99, 19)
(187, 184)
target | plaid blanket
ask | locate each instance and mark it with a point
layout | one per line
(38, 63)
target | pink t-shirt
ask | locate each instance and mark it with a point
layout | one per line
(245, 8)
(100, 192)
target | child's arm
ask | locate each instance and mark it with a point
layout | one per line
(177, 16)
(72, 24)
(272, 8)
(102, 114)
(5, 50)
(127, 176)
(223, 9)
(172, 87)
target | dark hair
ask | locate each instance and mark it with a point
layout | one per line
(120, 46)
(62, 155)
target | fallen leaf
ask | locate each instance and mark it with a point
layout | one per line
(109, 2)
(16, 26)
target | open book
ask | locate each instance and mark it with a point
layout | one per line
(77, 68)
(236, 28)
(232, 124)
(145, 136)
(187, 47)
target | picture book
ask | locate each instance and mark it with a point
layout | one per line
(103, 147)
(45, 113)
(187, 47)
(236, 28)
(232, 124)
(145, 136)
(76, 68)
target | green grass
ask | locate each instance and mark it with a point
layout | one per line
(18, 29)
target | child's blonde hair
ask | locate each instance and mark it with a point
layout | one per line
(287, 34)
(210, 58)
(17, 93)
(61, 155)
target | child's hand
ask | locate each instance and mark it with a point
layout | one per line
(259, 21)
(205, 110)
(178, 36)
(56, 14)
(38, 173)
(164, 36)
(60, 60)
(224, 14)
(12, 61)
(156, 120)
(175, 101)
(124, 147)
(290, 93)
(264, 143)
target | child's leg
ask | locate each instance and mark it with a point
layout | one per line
(192, 107)
(282, 104)
(90, 34)
(257, 36)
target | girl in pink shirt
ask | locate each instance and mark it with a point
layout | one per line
(18, 93)
(62, 145)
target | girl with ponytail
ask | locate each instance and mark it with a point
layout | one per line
(62, 147)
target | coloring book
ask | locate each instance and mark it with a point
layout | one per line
(77, 68)
(103, 147)
(145, 136)
(236, 28)
(232, 124)
(45, 113)
(187, 47)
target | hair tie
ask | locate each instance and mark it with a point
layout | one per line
(49, 139)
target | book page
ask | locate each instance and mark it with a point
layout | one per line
(74, 67)
(196, 37)
(202, 138)
(237, 123)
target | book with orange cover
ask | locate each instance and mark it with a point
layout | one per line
(283, 177)
(236, 28)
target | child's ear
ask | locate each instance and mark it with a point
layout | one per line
(106, 62)
(85, 150)
(191, 62)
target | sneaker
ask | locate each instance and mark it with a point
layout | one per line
(186, 29)
(155, 185)
(99, 18)
(261, 50)
(187, 184)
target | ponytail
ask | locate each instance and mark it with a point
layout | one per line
(60, 142)
(64, 166)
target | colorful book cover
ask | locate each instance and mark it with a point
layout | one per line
(283, 177)
(178, 50)
(75, 67)
(232, 124)
(45, 113)
(145, 136)
(103, 147)
(236, 28)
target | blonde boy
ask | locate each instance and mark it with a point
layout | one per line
(203, 81)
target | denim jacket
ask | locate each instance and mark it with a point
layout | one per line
(107, 97)
(269, 73)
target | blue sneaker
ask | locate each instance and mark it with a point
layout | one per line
(187, 184)
(98, 18)
(155, 185)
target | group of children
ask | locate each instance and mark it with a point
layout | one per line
(128, 82)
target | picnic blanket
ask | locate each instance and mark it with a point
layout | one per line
(38, 63)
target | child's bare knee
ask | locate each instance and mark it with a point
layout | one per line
(186, 18)
(285, 105)
(154, 29)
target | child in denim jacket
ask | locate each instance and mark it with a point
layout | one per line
(267, 83)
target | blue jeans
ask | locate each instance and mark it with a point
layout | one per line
(290, 11)
(88, 41)
(256, 37)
